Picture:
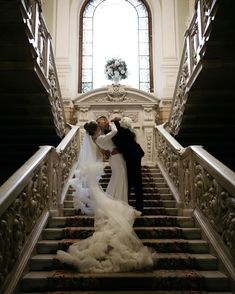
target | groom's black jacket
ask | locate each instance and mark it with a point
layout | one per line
(126, 144)
(132, 152)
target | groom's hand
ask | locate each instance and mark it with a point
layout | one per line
(115, 119)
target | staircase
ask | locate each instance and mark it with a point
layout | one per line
(184, 263)
(26, 119)
(208, 114)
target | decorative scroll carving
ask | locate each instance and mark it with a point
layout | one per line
(170, 159)
(198, 187)
(180, 99)
(116, 93)
(42, 44)
(148, 113)
(19, 219)
(216, 204)
(149, 145)
(133, 115)
(42, 192)
(56, 103)
(194, 38)
(187, 182)
(67, 159)
(194, 43)
(83, 113)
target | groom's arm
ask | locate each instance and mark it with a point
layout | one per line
(116, 121)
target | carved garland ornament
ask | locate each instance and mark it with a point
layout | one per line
(180, 98)
(217, 204)
(19, 219)
(169, 159)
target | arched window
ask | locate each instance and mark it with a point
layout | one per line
(115, 28)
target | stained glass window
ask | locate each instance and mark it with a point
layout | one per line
(134, 44)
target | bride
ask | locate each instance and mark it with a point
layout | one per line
(114, 246)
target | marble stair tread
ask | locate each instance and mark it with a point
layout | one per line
(147, 211)
(161, 261)
(147, 196)
(192, 246)
(160, 245)
(145, 184)
(142, 232)
(157, 279)
(130, 292)
(145, 180)
(153, 203)
(182, 221)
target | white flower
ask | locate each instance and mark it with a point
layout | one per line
(126, 123)
(116, 73)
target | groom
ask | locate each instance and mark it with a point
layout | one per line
(125, 141)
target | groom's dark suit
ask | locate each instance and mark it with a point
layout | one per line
(132, 153)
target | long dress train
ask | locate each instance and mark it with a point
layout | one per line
(114, 246)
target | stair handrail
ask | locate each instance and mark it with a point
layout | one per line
(41, 40)
(203, 185)
(28, 196)
(195, 39)
(17, 182)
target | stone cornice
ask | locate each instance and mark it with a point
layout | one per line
(116, 95)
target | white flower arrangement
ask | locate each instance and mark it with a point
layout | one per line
(116, 68)
(126, 123)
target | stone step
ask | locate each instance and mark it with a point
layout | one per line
(147, 203)
(160, 221)
(160, 245)
(145, 185)
(145, 179)
(147, 211)
(147, 189)
(155, 280)
(150, 175)
(147, 196)
(131, 292)
(143, 233)
(162, 261)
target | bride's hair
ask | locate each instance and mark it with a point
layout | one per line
(91, 127)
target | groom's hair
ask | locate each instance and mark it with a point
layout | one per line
(100, 117)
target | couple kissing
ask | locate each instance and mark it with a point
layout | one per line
(118, 138)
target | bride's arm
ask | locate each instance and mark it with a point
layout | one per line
(110, 135)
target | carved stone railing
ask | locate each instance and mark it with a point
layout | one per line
(41, 42)
(195, 38)
(202, 185)
(35, 189)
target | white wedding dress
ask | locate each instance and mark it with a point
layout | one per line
(118, 184)
(114, 246)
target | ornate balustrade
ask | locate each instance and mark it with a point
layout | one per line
(195, 38)
(29, 195)
(201, 184)
(41, 40)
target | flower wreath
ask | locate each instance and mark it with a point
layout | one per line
(116, 67)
